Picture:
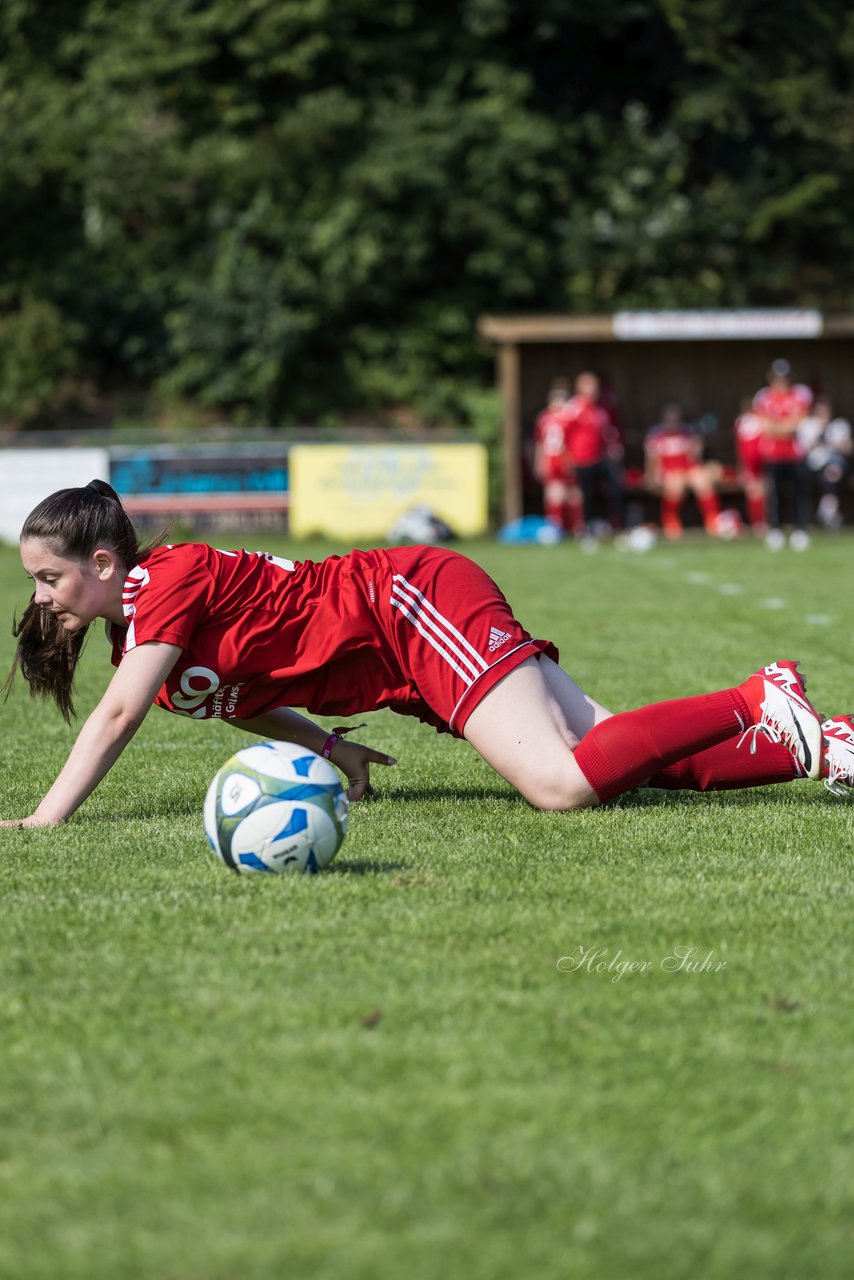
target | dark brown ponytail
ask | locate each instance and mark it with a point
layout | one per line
(74, 522)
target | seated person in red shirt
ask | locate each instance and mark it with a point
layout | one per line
(782, 408)
(673, 451)
(594, 444)
(553, 466)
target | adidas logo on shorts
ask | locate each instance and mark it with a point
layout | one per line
(497, 638)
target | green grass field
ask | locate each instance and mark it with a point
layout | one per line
(388, 1070)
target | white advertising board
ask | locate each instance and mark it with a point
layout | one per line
(28, 475)
(690, 325)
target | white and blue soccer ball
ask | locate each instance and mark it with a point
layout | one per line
(276, 807)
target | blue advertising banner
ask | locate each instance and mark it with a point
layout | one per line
(227, 484)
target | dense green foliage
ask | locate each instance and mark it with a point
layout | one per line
(286, 208)
(380, 1072)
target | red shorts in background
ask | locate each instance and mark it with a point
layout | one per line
(557, 467)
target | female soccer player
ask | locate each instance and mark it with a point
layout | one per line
(242, 636)
(673, 451)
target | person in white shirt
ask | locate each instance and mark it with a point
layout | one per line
(827, 444)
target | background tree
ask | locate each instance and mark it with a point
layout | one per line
(286, 209)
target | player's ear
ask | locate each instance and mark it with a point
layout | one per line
(106, 563)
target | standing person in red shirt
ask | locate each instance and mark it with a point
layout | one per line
(594, 444)
(748, 454)
(782, 407)
(243, 637)
(673, 450)
(553, 465)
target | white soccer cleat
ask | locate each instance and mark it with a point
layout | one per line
(781, 710)
(837, 757)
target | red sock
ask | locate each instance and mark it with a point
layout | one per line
(670, 509)
(574, 515)
(629, 748)
(710, 509)
(756, 511)
(553, 510)
(727, 767)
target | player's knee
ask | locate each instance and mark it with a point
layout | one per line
(560, 791)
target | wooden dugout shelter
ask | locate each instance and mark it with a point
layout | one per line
(709, 361)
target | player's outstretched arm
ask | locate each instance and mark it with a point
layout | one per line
(352, 758)
(106, 732)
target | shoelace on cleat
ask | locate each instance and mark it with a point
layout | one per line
(838, 772)
(771, 729)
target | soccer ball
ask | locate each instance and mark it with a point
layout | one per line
(729, 524)
(642, 539)
(276, 807)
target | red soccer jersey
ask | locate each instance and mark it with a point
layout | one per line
(421, 630)
(748, 442)
(779, 404)
(673, 448)
(588, 427)
(550, 437)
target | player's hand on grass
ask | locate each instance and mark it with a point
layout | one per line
(354, 761)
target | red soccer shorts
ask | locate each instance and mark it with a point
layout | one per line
(750, 472)
(557, 467)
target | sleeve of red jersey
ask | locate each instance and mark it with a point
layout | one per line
(173, 595)
(803, 395)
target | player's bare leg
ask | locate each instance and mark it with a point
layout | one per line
(527, 728)
(580, 710)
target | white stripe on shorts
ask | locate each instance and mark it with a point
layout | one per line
(437, 630)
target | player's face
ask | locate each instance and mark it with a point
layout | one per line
(587, 385)
(76, 591)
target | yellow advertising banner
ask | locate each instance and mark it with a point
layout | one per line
(351, 491)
